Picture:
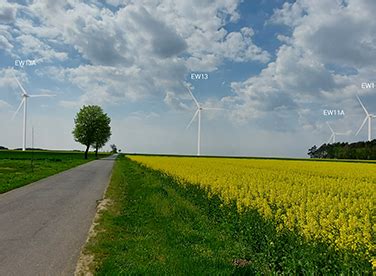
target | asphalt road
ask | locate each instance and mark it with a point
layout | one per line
(44, 225)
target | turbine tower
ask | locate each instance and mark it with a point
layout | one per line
(332, 138)
(24, 100)
(369, 118)
(198, 114)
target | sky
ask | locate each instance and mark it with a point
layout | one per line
(274, 68)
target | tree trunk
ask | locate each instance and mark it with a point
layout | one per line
(86, 151)
(96, 152)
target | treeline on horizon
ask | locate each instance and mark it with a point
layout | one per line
(344, 150)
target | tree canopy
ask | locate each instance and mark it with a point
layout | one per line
(114, 148)
(92, 127)
(358, 150)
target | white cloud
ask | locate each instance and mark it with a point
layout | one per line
(341, 32)
(38, 50)
(4, 43)
(8, 12)
(171, 99)
(151, 44)
(7, 78)
(164, 41)
(5, 39)
(238, 46)
(290, 14)
(40, 31)
(328, 39)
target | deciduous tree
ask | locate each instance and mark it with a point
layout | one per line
(92, 127)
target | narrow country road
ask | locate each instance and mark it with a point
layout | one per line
(44, 225)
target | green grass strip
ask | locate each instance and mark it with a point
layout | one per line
(17, 170)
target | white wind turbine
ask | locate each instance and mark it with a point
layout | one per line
(25, 96)
(333, 136)
(198, 113)
(369, 118)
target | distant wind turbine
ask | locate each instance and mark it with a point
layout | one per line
(25, 96)
(369, 118)
(332, 138)
(198, 114)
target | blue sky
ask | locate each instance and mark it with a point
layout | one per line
(273, 66)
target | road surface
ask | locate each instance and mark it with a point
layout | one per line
(44, 225)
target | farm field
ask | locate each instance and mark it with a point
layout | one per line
(222, 216)
(16, 169)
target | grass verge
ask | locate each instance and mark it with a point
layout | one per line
(16, 168)
(156, 226)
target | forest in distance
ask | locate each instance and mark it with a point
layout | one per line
(343, 150)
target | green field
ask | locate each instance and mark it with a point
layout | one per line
(157, 226)
(17, 168)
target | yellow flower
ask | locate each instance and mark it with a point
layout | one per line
(329, 201)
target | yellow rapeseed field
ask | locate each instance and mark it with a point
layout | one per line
(328, 201)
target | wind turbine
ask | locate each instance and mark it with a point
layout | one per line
(333, 136)
(369, 118)
(198, 114)
(25, 97)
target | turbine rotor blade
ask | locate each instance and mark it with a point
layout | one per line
(330, 138)
(213, 108)
(42, 95)
(193, 118)
(330, 127)
(18, 109)
(364, 122)
(343, 133)
(19, 84)
(193, 97)
(365, 110)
